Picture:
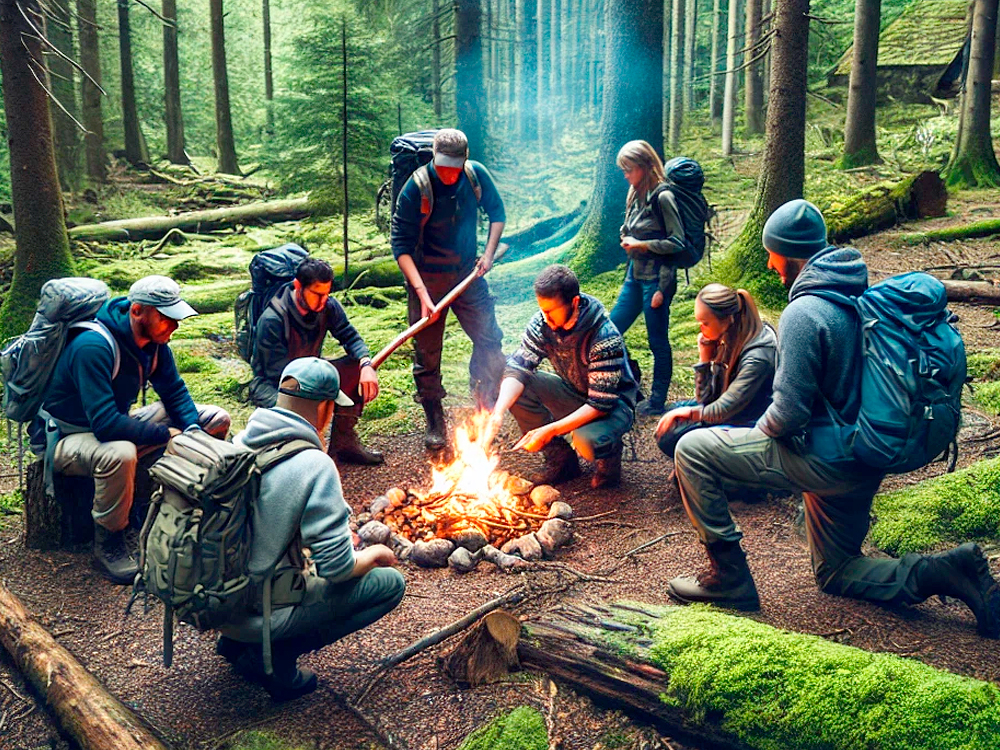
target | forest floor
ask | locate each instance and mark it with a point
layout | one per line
(201, 704)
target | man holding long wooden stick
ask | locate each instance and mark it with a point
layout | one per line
(434, 242)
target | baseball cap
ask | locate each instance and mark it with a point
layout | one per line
(318, 381)
(451, 148)
(162, 293)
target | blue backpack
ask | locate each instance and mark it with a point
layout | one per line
(912, 373)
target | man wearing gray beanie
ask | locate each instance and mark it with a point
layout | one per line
(794, 447)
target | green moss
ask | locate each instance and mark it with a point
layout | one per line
(744, 264)
(262, 741)
(216, 296)
(987, 395)
(191, 269)
(187, 362)
(983, 364)
(985, 228)
(521, 729)
(953, 508)
(973, 171)
(776, 690)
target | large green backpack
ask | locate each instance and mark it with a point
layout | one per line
(195, 542)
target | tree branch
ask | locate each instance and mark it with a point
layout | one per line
(50, 45)
(32, 63)
(164, 21)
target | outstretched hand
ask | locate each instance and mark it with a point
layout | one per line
(534, 440)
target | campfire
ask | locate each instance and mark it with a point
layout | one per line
(471, 511)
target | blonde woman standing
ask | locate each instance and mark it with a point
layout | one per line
(651, 234)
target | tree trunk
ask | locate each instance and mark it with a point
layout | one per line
(527, 71)
(172, 86)
(42, 249)
(543, 24)
(225, 142)
(859, 129)
(555, 79)
(690, 30)
(90, 98)
(753, 101)
(86, 711)
(974, 163)
(729, 94)
(154, 227)
(135, 146)
(268, 72)
(632, 108)
(714, 89)
(677, 45)
(436, 57)
(470, 104)
(67, 137)
(783, 171)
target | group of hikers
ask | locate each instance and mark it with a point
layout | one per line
(762, 409)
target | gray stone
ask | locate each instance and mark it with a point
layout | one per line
(526, 547)
(402, 546)
(379, 505)
(506, 563)
(559, 509)
(472, 540)
(554, 534)
(543, 496)
(432, 554)
(374, 532)
(463, 561)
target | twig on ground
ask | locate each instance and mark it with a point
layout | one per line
(650, 543)
(591, 518)
(13, 691)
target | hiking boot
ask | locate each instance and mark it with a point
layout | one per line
(963, 573)
(435, 437)
(229, 649)
(650, 408)
(561, 463)
(285, 683)
(345, 445)
(726, 583)
(111, 557)
(609, 470)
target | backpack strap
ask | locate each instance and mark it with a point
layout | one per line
(470, 175)
(99, 327)
(422, 177)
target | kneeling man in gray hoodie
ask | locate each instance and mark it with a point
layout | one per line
(301, 506)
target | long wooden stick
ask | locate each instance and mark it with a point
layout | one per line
(84, 708)
(441, 306)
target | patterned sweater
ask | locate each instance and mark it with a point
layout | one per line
(591, 356)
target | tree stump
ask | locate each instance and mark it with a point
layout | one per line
(487, 654)
(884, 205)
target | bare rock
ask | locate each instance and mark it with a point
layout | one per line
(559, 509)
(379, 505)
(432, 554)
(396, 496)
(363, 518)
(526, 547)
(463, 561)
(506, 563)
(472, 540)
(375, 532)
(401, 546)
(518, 485)
(554, 534)
(543, 496)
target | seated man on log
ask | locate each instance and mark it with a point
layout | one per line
(301, 505)
(794, 446)
(294, 325)
(85, 418)
(592, 393)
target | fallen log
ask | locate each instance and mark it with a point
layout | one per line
(487, 654)
(884, 205)
(155, 227)
(85, 710)
(975, 292)
(985, 228)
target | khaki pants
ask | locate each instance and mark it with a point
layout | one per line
(112, 465)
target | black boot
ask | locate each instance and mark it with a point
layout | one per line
(609, 470)
(229, 649)
(435, 435)
(561, 463)
(726, 583)
(286, 682)
(962, 573)
(111, 557)
(345, 445)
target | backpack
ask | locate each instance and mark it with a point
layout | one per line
(195, 543)
(409, 156)
(270, 270)
(684, 179)
(912, 371)
(28, 361)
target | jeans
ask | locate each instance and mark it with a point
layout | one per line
(635, 297)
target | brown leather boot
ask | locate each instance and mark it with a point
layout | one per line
(609, 470)
(727, 582)
(435, 435)
(345, 445)
(561, 463)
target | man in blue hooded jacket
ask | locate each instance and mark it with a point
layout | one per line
(99, 376)
(793, 447)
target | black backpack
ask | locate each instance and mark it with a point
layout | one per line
(270, 270)
(684, 179)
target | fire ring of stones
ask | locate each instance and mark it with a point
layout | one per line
(508, 522)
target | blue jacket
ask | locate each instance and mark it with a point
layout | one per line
(449, 244)
(83, 393)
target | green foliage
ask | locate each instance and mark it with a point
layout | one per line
(952, 508)
(744, 265)
(776, 690)
(521, 729)
(254, 740)
(988, 394)
(187, 362)
(983, 364)
(973, 171)
(11, 503)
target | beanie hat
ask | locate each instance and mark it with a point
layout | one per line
(795, 230)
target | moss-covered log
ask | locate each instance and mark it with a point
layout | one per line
(986, 228)
(732, 682)
(885, 205)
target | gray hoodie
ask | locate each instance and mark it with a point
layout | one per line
(301, 494)
(818, 353)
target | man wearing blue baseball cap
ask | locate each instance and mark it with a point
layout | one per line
(795, 446)
(84, 422)
(301, 505)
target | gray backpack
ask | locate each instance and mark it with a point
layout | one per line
(195, 543)
(27, 362)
